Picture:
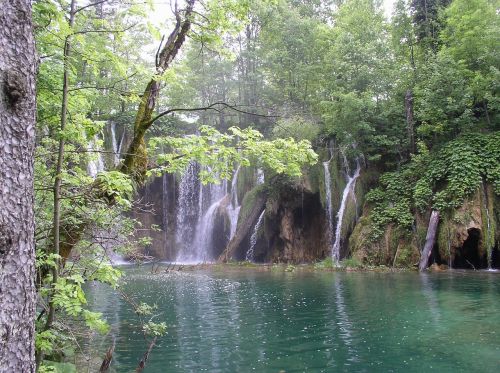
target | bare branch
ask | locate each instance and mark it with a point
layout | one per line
(89, 5)
(209, 107)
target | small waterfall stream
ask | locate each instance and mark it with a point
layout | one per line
(117, 144)
(260, 178)
(348, 190)
(187, 211)
(95, 163)
(328, 198)
(234, 207)
(489, 248)
(164, 203)
(249, 257)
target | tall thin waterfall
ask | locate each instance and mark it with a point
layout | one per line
(187, 211)
(349, 188)
(328, 198)
(260, 176)
(164, 202)
(234, 207)
(95, 163)
(116, 145)
(249, 257)
(489, 244)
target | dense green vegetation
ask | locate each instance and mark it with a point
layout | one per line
(267, 83)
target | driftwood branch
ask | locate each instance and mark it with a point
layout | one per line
(107, 359)
(145, 357)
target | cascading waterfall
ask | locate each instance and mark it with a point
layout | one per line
(197, 210)
(249, 257)
(260, 176)
(234, 207)
(116, 145)
(489, 249)
(95, 163)
(328, 197)
(164, 201)
(204, 235)
(187, 211)
(349, 188)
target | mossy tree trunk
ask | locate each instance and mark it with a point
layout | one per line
(135, 162)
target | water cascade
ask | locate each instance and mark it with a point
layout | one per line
(489, 245)
(349, 189)
(116, 145)
(204, 235)
(249, 257)
(328, 198)
(234, 207)
(95, 163)
(164, 202)
(260, 176)
(187, 211)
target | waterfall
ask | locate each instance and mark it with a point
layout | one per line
(187, 211)
(204, 234)
(489, 244)
(349, 188)
(95, 163)
(164, 201)
(328, 197)
(249, 257)
(197, 209)
(234, 207)
(116, 145)
(260, 176)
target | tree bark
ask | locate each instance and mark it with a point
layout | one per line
(17, 140)
(430, 239)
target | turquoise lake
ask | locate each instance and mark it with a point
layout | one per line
(266, 321)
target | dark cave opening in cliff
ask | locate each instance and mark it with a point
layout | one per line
(495, 258)
(468, 256)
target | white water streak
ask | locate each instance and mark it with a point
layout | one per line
(249, 257)
(349, 188)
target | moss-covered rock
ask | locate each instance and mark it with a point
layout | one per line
(396, 248)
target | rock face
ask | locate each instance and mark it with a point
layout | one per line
(154, 208)
(295, 228)
(396, 248)
(467, 237)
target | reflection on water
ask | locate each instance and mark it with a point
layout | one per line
(319, 322)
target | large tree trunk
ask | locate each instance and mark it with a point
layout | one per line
(430, 239)
(17, 139)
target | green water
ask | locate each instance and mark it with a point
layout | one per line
(316, 322)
